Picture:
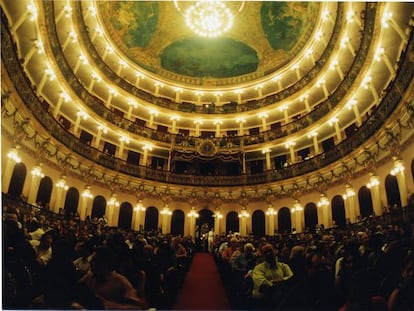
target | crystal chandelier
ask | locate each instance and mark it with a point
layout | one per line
(207, 18)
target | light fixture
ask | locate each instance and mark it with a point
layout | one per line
(207, 18)
(87, 193)
(323, 201)
(139, 206)
(244, 214)
(14, 156)
(37, 171)
(374, 181)
(193, 213)
(271, 211)
(166, 211)
(398, 168)
(61, 183)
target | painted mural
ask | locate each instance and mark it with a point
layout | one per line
(216, 58)
(286, 22)
(133, 21)
(153, 35)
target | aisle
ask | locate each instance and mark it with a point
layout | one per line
(202, 288)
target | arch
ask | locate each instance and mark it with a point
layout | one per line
(205, 216)
(71, 201)
(284, 220)
(125, 215)
(17, 180)
(177, 222)
(232, 222)
(412, 169)
(365, 202)
(258, 223)
(392, 190)
(98, 207)
(311, 217)
(338, 210)
(151, 219)
(45, 191)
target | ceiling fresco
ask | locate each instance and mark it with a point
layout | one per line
(153, 35)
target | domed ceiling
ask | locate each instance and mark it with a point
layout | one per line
(264, 37)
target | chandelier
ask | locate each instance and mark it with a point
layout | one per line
(207, 18)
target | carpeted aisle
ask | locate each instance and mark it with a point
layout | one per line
(202, 288)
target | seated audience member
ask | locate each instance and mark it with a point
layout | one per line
(269, 277)
(114, 289)
(82, 263)
(43, 248)
(230, 249)
(402, 297)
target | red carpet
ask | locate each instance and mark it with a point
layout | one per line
(202, 288)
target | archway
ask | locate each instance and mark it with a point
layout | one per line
(71, 201)
(311, 217)
(338, 211)
(232, 222)
(17, 180)
(151, 219)
(98, 207)
(365, 202)
(393, 191)
(258, 223)
(284, 220)
(412, 169)
(44, 192)
(177, 222)
(125, 215)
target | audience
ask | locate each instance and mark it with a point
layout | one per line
(57, 262)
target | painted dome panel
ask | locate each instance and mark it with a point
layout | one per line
(216, 58)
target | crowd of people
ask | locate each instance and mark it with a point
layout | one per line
(364, 266)
(55, 262)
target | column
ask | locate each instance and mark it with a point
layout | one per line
(61, 188)
(387, 19)
(153, 113)
(266, 151)
(122, 65)
(271, 213)
(373, 185)
(244, 215)
(368, 84)
(350, 203)
(321, 83)
(99, 136)
(66, 11)
(37, 46)
(62, 98)
(157, 85)
(380, 54)
(178, 92)
(197, 125)
(81, 60)
(48, 74)
(323, 206)
(112, 93)
(217, 123)
(122, 141)
(98, 32)
(131, 106)
(37, 175)
(309, 54)
(86, 203)
(80, 115)
(335, 122)
(12, 159)
(353, 104)
(290, 145)
(139, 76)
(217, 95)
(30, 13)
(263, 116)
(398, 172)
(217, 220)
(111, 214)
(335, 66)
(295, 68)
(95, 78)
(259, 88)
(174, 120)
(165, 214)
(346, 43)
(71, 38)
(314, 136)
(137, 219)
(305, 100)
(238, 93)
(192, 215)
(298, 213)
(241, 122)
(144, 160)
